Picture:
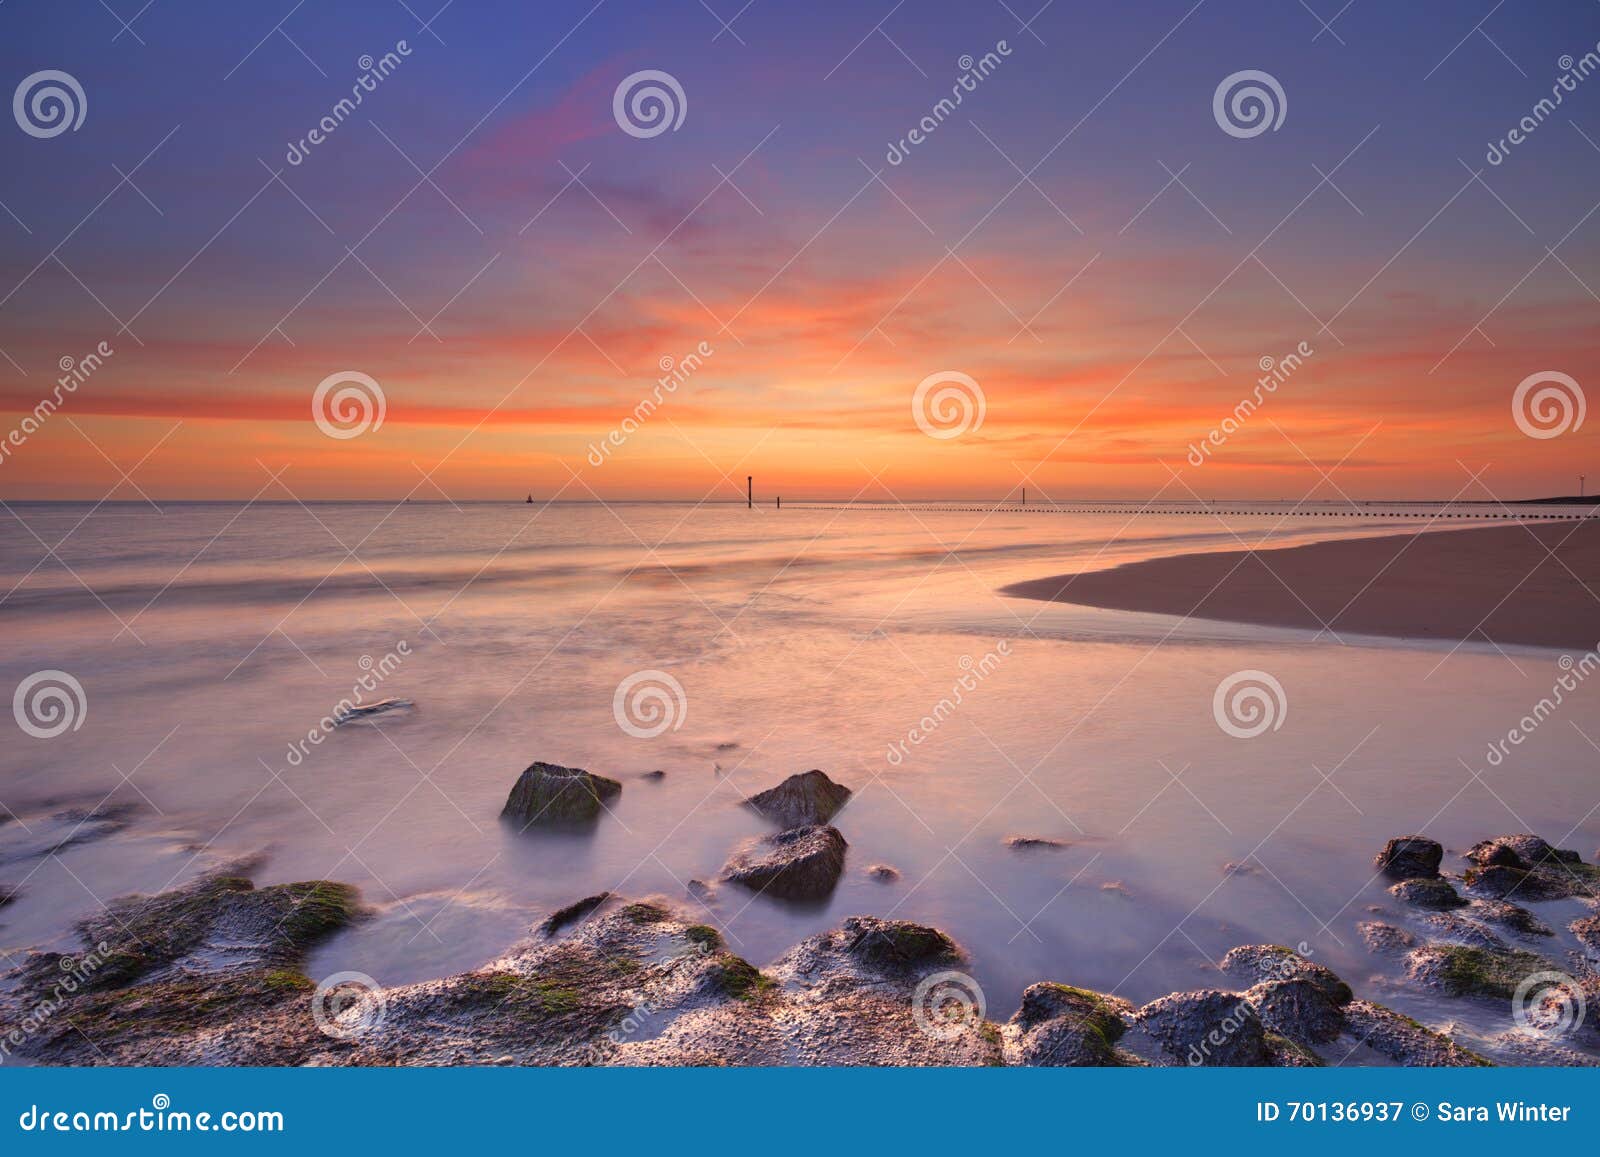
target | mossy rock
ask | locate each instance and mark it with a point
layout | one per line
(1460, 970)
(896, 943)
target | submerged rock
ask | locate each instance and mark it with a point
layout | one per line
(1410, 857)
(1434, 893)
(1403, 1040)
(572, 913)
(1029, 843)
(1587, 930)
(1386, 939)
(798, 864)
(1473, 970)
(1529, 869)
(8, 893)
(801, 800)
(355, 712)
(1059, 1025)
(546, 793)
(883, 873)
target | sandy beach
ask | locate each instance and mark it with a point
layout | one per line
(1535, 585)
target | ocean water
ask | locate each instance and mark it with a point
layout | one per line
(210, 639)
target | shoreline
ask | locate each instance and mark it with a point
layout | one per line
(1526, 585)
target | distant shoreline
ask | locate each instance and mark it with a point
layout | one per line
(1531, 585)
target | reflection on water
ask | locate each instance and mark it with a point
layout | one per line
(217, 641)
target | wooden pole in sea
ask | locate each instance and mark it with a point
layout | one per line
(749, 493)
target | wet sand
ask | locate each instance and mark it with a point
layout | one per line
(1534, 584)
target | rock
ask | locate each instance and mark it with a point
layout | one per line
(1298, 1008)
(883, 873)
(1552, 880)
(1030, 843)
(699, 890)
(1433, 893)
(155, 972)
(656, 774)
(1239, 868)
(1264, 963)
(1587, 930)
(1519, 851)
(1386, 939)
(1510, 917)
(1058, 1025)
(44, 835)
(355, 712)
(1403, 1040)
(1455, 927)
(797, 864)
(575, 911)
(896, 943)
(546, 793)
(801, 800)
(1207, 1027)
(1470, 970)
(8, 894)
(1410, 857)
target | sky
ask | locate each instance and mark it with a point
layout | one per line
(1081, 251)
